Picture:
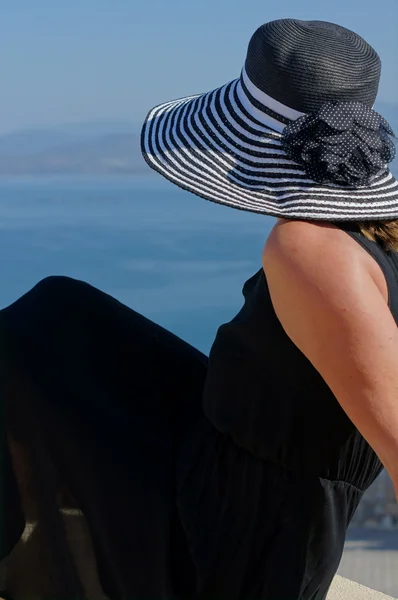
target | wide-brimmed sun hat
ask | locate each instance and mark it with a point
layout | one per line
(295, 136)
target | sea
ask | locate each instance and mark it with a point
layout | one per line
(179, 260)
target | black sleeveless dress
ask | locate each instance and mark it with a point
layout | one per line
(228, 478)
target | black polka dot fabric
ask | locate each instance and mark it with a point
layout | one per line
(344, 142)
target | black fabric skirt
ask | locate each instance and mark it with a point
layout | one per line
(103, 419)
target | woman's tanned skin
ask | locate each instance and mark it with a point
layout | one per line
(331, 298)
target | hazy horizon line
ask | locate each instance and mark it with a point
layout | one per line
(101, 121)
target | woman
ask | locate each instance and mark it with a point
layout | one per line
(233, 477)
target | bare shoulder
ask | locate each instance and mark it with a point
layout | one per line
(321, 255)
(304, 241)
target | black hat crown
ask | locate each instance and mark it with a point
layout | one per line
(305, 64)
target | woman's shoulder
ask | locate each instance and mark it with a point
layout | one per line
(287, 236)
(320, 254)
(309, 244)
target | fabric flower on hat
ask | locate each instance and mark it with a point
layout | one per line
(343, 142)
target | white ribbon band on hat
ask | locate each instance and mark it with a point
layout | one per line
(266, 101)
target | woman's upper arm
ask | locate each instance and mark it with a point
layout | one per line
(331, 308)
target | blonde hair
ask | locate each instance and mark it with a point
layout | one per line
(385, 233)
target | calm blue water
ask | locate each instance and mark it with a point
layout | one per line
(178, 259)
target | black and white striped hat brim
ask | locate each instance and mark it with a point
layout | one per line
(226, 146)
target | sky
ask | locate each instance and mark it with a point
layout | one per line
(84, 60)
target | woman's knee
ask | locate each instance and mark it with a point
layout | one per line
(55, 286)
(45, 296)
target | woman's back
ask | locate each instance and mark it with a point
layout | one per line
(280, 436)
(253, 362)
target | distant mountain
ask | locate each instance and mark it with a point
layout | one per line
(38, 140)
(83, 148)
(100, 127)
(94, 147)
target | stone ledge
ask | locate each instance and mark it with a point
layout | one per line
(344, 589)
